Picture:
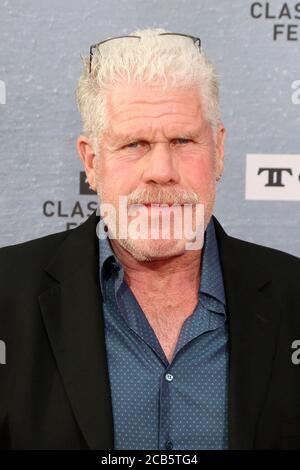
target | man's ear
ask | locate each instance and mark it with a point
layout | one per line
(219, 151)
(87, 156)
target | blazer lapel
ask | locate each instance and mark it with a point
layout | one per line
(72, 313)
(254, 308)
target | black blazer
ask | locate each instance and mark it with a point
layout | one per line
(54, 387)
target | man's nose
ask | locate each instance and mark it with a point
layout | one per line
(160, 165)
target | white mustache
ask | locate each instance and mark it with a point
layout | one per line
(162, 196)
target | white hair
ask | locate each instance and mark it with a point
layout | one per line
(175, 61)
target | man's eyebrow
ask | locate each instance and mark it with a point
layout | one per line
(123, 138)
(119, 139)
(190, 134)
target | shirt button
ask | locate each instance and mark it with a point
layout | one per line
(115, 267)
(169, 377)
(169, 445)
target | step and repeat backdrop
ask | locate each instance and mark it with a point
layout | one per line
(256, 49)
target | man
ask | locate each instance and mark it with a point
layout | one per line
(141, 343)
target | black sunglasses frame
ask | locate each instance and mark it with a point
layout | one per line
(94, 46)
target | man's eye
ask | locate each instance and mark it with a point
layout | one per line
(182, 140)
(132, 144)
(136, 144)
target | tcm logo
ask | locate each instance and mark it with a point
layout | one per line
(84, 187)
(283, 16)
(273, 177)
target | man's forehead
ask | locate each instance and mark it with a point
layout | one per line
(151, 95)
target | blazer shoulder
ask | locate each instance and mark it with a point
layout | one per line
(35, 250)
(266, 251)
(259, 258)
(278, 263)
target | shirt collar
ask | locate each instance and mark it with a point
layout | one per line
(211, 282)
(107, 257)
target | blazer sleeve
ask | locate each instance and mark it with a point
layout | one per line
(7, 338)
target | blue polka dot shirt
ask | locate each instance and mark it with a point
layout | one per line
(159, 405)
